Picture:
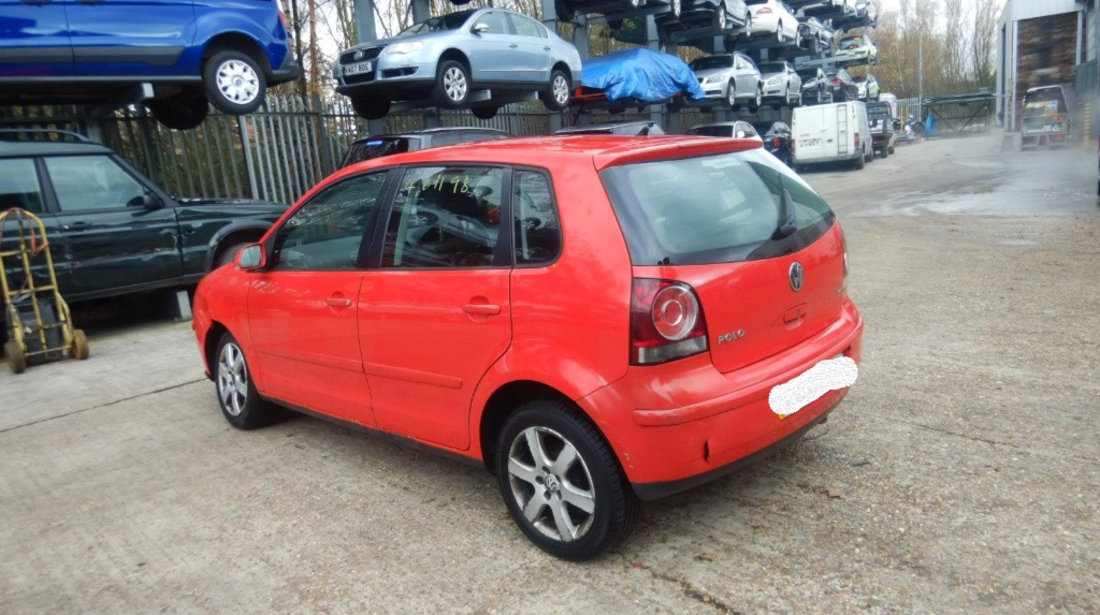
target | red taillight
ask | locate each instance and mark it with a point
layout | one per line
(762, 10)
(794, 142)
(775, 142)
(857, 139)
(835, 82)
(666, 322)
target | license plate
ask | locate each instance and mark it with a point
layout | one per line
(809, 142)
(358, 68)
(802, 390)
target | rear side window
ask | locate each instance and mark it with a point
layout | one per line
(538, 233)
(714, 209)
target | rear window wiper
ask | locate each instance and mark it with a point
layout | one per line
(788, 223)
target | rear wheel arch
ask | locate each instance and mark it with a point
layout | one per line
(235, 41)
(502, 403)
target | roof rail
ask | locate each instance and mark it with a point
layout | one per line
(43, 134)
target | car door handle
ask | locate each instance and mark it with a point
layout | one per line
(481, 309)
(513, 46)
(338, 301)
(546, 49)
(75, 226)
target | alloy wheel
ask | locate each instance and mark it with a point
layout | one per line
(232, 379)
(551, 484)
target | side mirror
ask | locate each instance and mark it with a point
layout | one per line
(151, 201)
(251, 257)
(480, 28)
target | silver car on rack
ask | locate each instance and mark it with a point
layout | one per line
(732, 78)
(448, 57)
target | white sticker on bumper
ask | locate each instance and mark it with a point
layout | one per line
(797, 393)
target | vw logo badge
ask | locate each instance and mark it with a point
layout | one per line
(358, 55)
(796, 275)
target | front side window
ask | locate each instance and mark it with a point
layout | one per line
(85, 183)
(496, 21)
(538, 233)
(445, 217)
(325, 233)
(19, 185)
(741, 206)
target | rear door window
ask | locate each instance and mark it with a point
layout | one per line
(19, 185)
(740, 206)
(445, 217)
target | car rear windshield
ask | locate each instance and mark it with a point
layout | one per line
(376, 148)
(714, 209)
(1045, 100)
(851, 43)
(878, 111)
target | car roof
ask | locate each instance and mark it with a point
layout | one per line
(600, 150)
(431, 131)
(49, 148)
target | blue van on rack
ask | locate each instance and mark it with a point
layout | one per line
(192, 52)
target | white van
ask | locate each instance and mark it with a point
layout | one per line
(831, 133)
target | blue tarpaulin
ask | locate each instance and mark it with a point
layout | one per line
(641, 73)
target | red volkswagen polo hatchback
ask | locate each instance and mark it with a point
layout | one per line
(600, 319)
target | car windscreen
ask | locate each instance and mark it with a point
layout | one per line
(714, 209)
(376, 148)
(442, 23)
(771, 67)
(850, 43)
(807, 75)
(710, 62)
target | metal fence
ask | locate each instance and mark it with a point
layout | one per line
(276, 153)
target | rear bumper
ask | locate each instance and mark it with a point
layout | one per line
(670, 437)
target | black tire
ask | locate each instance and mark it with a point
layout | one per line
(226, 254)
(183, 111)
(373, 108)
(235, 83)
(452, 85)
(885, 151)
(556, 95)
(593, 478)
(485, 113)
(731, 95)
(859, 162)
(891, 149)
(754, 106)
(17, 361)
(244, 409)
(719, 21)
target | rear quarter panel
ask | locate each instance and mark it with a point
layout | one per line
(256, 19)
(570, 318)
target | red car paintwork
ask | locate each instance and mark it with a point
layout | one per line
(439, 356)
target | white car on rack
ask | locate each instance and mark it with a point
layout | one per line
(773, 18)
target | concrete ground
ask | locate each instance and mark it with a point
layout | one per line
(959, 476)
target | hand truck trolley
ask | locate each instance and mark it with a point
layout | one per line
(39, 325)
